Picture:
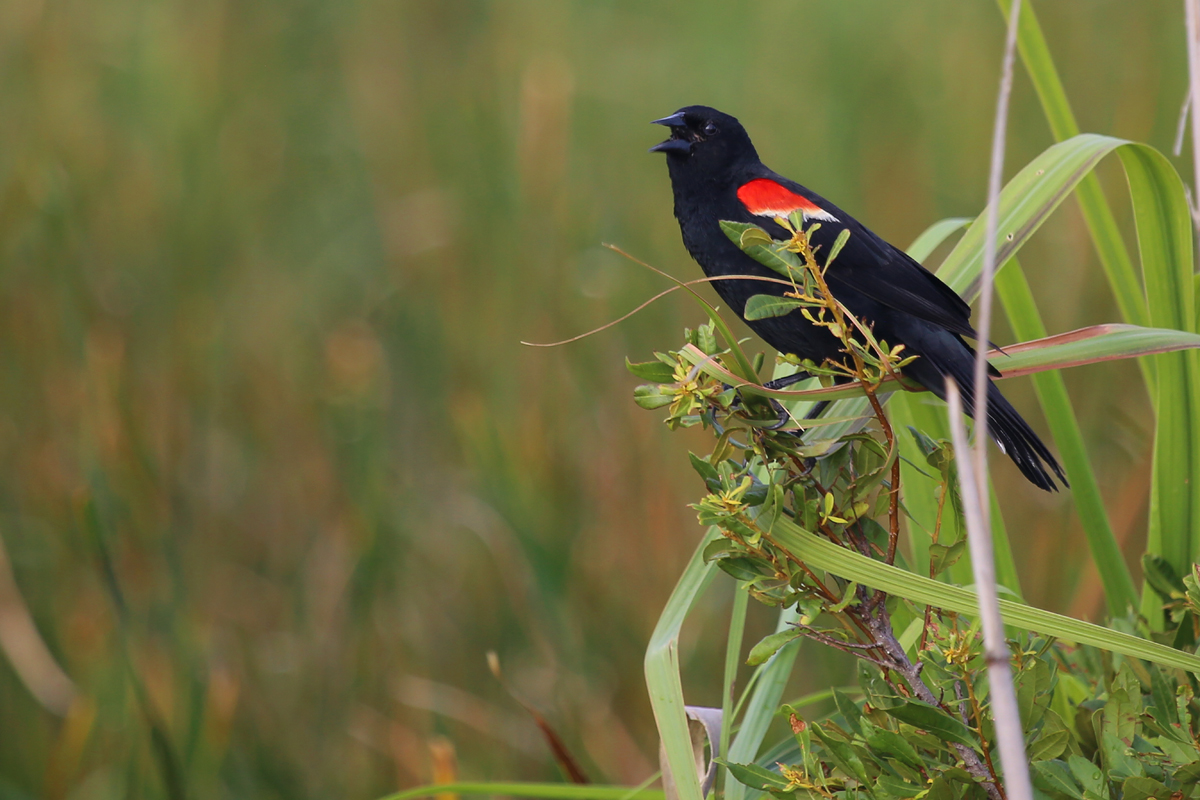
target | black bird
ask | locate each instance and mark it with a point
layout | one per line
(716, 175)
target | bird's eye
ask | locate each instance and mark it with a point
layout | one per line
(710, 129)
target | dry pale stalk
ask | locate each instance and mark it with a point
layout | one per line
(973, 472)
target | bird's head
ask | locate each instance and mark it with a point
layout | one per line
(704, 140)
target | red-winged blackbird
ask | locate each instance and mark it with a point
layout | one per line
(716, 175)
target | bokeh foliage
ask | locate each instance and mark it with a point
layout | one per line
(264, 268)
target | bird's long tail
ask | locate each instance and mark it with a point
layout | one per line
(1011, 432)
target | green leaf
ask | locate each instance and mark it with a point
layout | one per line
(1091, 345)
(1118, 761)
(770, 645)
(1124, 704)
(1051, 744)
(838, 244)
(849, 596)
(898, 788)
(1180, 752)
(757, 243)
(1024, 204)
(879, 693)
(940, 789)
(1161, 576)
(894, 745)
(1055, 777)
(650, 396)
(762, 306)
(933, 720)
(848, 709)
(720, 548)
(1033, 686)
(1162, 699)
(754, 776)
(1188, 774)
(1089, 776)
(942, 557)
(753, 235)
(743, 569)
(655, 371)
(1140, 788)
(707, 471)
(843, 756)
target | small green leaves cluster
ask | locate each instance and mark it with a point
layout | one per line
(839, 495)
(1094, 731)
(675, 383)
(1180, 596)
(796, 261)
(693, 397)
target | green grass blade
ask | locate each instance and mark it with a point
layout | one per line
(1110, 246)
(662, 671)
(543, 791)
(1002, 554)
(934, 235)
(1073, 349)
(917, 479)
(878, 575)
(733, 660)
(1164, 232)
(1026, 322)
(1090, 346)
(1024, 204)
(763, 704)
(1035, 55)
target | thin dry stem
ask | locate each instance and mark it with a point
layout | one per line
(1009, 736)
(973, 475)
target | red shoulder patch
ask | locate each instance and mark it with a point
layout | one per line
(764, 197)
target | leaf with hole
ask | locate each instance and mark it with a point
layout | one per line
(1055, 777)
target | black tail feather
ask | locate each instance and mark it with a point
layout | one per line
(1008, 429)
(1020, 443)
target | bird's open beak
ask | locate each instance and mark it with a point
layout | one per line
(672, 145)
(673, 121)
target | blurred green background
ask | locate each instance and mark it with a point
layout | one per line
(275, 471)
